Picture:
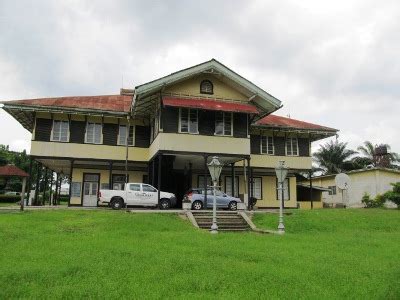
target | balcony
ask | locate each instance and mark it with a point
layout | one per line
(271, 161)
(71, 150)
(200, 144)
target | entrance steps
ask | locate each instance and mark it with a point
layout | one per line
(226, 220)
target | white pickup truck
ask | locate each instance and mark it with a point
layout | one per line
(136, 194)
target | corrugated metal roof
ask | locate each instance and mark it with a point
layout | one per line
(208, 104)
(11, 170)
(275, 121)
(116, 103)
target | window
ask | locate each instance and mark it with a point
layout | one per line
(267, 145)
(122, 136)
(223, 123)
(206, 87)
(332, 190)
(228, 186)
(118, 182)
(91, 178)
(257, 187)
(200, 181)
(188, 120)
(148, 188)
(60, 131)
(93, 133)
(134, 187)
(292, 147)
(286, 188)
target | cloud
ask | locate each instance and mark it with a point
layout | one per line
(333, 64)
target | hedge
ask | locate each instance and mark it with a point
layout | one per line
(9, 198)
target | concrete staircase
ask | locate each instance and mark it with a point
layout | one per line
(226, 220)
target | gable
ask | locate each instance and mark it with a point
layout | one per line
(232, 86)
(191, 87)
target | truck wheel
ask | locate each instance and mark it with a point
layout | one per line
(232, 205)
(197, 205)
(164, 204)
(117, 204)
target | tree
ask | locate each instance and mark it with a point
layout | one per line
(371, 154)
(333, 157)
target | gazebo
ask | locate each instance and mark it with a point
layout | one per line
(13, 171)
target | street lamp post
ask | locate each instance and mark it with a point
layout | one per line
(281, 173)
(215, 168)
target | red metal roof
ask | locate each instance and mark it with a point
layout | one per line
(210, 104)
(118, 103)
(11, 170)
(283, 122)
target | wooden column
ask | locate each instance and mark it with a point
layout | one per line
(159, 175)
(23, 193)
(56, 191)
(248, 184)
(233, 180)
(51, 188)
(311, 194)
(70, 182)
(29, 179)
(205, 181)
(110, 182)
(37, 189)
(45, 186)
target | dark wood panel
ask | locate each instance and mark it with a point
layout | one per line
(240, 125)
(279, 144)
(142, 136)
(77, 132)
(170, 119)
(206, 122)
(110, 134)
(304, 147)
(255, 144)
(43, 129)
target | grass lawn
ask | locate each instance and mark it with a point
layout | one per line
(109, 254)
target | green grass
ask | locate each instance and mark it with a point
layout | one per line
(108, 254)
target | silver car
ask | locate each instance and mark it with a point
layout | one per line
(196, 197)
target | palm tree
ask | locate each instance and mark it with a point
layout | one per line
(369, 151)
(333, 157)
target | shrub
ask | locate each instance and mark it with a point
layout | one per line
(9, 198)
(394, 195)
(379, 200)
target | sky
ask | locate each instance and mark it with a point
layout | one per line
(331, 63)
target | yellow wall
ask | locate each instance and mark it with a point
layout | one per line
(271, 161)
(192, 87)
(307, 204)
(88, 151)
(77, 176)
(199, 143)
(268, 190)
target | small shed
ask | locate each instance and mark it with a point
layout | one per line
(13, 171)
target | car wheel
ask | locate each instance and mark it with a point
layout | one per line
(117, 204)
(232, 205)
(197, 205)
(164, 204)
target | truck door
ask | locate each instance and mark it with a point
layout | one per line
(150, 195)
(134, 194)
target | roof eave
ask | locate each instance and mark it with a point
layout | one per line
(61, 109)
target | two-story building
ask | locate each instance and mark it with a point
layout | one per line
(164, 132)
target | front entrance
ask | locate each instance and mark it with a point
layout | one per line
(90, 189)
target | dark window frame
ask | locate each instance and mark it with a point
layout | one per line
(203, 91)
